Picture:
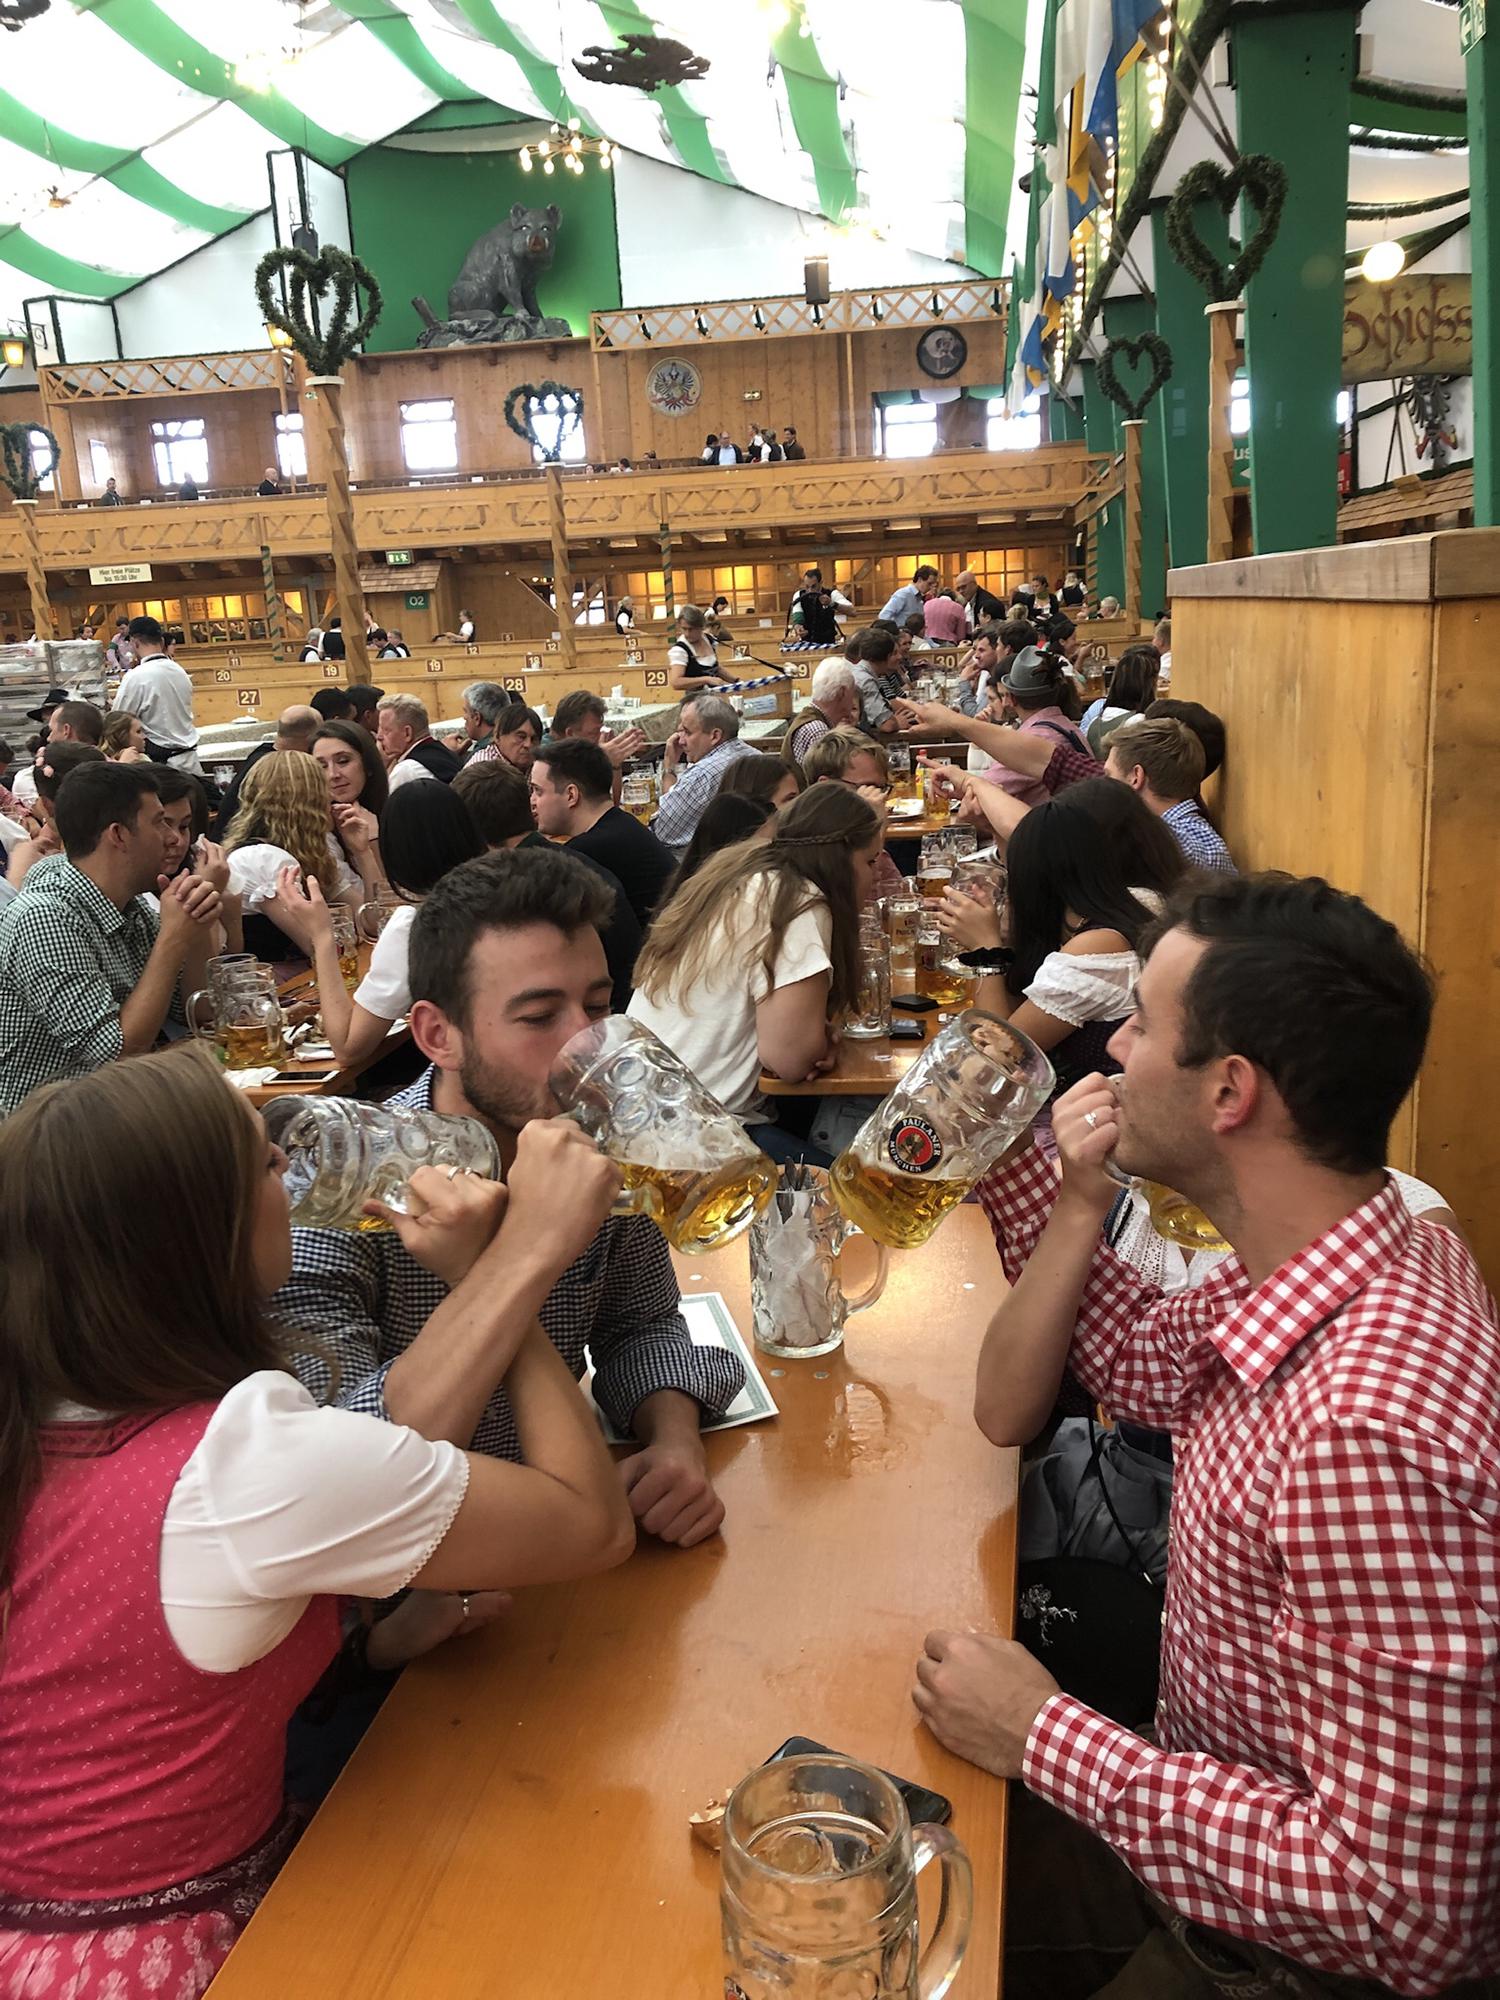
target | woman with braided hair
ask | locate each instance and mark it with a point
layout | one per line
(749, 964)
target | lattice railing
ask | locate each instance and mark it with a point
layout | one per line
(968, 300)
(173, 374)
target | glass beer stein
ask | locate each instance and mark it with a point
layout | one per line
(981, 877)
(898, 758)
(797, 1296)
(819, 1887)
(346, 943)
(373, 916)
(239, 1012)
(976, 1085)
(1172, 1215)
(637, 795)
(870, 1016)
(342, 1153)
(939, 977)
(686, 1162)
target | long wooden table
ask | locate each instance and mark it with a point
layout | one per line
(309, 1077)
(865, 1068)
(515, 1823)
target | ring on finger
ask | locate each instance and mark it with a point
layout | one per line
(454, 1172)
(1091, 1119)
(463, 1604)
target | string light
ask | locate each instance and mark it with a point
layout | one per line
(570, 146)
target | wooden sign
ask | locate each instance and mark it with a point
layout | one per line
(1412, 326)
(553, 646)
(223, 676)
(507, 638)
(742, 652)
(471, 648)
(656, 677)
(434, 666)
(533, 660)
(248, 697)
(633, 650)
(514, 683)
(330, 670)
(797, 670)
(232, 660)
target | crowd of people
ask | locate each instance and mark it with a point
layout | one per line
(217, 1429)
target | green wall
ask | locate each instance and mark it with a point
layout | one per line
(415, 215)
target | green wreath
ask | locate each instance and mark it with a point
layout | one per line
(331, 267)
(1254, 174)
(527, 396)
(1135, 348)
(18, 444)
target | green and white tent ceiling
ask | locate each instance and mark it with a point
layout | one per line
(133, 131)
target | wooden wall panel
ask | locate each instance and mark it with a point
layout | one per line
(1458, 1098)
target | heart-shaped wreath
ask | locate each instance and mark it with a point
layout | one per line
(334, 268)
(1257, 175)
(1142, 346)
(19, 443)
(557, 400)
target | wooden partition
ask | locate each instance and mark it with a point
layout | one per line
(1360, 687)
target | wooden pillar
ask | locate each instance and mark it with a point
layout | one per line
(327, 393)
(668, 588)
(1223, 364)
(36, 575)
(562, 574)
(1132, 427)
(275, 613)
(1482, 79)
(598, 449)
(851, 422)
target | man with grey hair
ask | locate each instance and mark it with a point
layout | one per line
(834, 702)
(701, 749)
(407, 743)
(484, 704)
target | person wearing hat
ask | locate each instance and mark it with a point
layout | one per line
(42, 713)
(1029, 695)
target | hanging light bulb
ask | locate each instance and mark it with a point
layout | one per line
(525, 159)
(545, 148)
(546, 166)
(1383, 261)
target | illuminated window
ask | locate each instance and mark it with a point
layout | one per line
(549, 424)
(180, 448)
(906, 430)
(1022, 432)
(291, 444)
(429, 436)
(101, 465)
(41, 451)
(1239, 406)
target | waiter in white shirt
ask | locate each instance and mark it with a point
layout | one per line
(161, 693)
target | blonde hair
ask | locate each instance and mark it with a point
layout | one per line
(831, 755)
(285, 802)
(408, 710)
(1167, 752)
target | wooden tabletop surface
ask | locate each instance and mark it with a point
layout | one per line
(516, 1820)
(865, 1068)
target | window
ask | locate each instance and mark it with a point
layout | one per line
(180, 449)
(41, 451)
(1022, 432)
(291, 445)
(906, 430)
(1343, 407)
(1239, 406)
(548, 424)
(429, 436)
(101, 465)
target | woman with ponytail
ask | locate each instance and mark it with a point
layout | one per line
(747, 967)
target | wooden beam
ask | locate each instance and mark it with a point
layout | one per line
(36, 575)
(327, 392)
(562, 575)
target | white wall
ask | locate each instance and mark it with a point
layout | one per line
(205, 304)
(1375, 433)
(684, 239)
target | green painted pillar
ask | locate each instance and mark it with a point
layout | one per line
(1130, 317)
(1101, 430)
(1064, 419)
(1482, 74)
(1182, 407)
(1292, 76)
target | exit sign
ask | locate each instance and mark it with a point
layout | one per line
(1470, 23)
(399, 558)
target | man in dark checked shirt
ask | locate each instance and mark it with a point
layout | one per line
(507, 966)
(1316, 1811)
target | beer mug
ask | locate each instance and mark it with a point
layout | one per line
(870, 1016)
(819, 1887)
(377, 913)
(898, 758)
(981, 877)
(342, 1153)
(346, 943)
(244, 1018)
(1172, 1215)
(797, 1297)
(977, 1084)
(636, 795)
(947, 981)
(934, 866)
(685, 1161)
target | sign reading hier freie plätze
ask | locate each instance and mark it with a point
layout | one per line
(1412, 326)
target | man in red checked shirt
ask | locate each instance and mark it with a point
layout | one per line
(1318, 1812)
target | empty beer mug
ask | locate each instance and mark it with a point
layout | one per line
(342, 1153)
(870, 1016)
(819, 1889)
(797, 1296)
(976, 1085)
(377, 913)
(239, 1012)
(685, 1161)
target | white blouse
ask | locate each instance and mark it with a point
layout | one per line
(253, 871)
(386, 988)
(1078, 989)
(284, 1501)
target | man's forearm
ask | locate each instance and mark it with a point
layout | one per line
(667, 1417)
(142, 1015)
(1025, 1351)
(444, 1380)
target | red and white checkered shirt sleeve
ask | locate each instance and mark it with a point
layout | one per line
(1129, 1342)
(1069, 767)
(1383, 1665)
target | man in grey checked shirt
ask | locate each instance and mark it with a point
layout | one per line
(507, 966)
(708, 736)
